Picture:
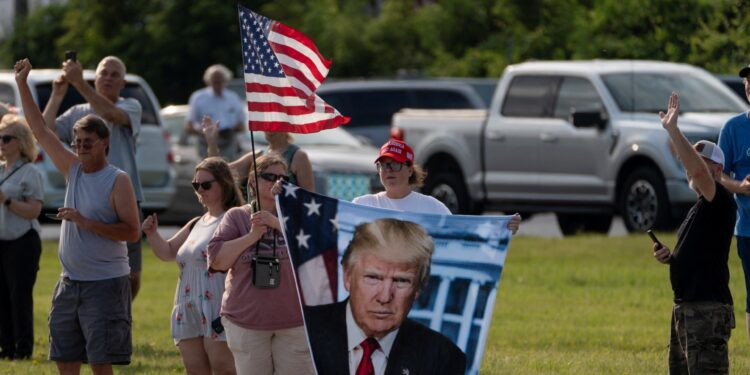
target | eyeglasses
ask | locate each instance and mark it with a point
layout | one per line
(392, 165)
(86, 145)
(206, 185)
(7, 138)
(272, 177)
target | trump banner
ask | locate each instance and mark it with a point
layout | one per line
(456, 302)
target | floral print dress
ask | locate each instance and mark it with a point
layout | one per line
(197, 300)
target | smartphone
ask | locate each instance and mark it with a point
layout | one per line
(52, 216)
(70, 55)
(653, 237)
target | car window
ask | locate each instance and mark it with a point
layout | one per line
(131, 90)
(645, 92)
(7, 95)
(440, 99)
(530, 96)
(577, 94)
(366, 108)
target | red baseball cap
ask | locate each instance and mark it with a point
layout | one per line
(396, 150)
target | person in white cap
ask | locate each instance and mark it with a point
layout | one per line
(399, 175)
(734, 140)
(702, 314)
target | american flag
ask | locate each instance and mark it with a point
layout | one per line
(283, 68)
(311, 232)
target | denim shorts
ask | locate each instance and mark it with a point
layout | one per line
(90, 321)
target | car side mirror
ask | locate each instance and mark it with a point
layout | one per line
(588, 119)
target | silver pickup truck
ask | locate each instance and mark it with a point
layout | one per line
(581, 139)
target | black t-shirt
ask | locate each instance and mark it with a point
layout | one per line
(698, 269)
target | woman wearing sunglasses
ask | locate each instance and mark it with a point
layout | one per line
(260, 309)
(399, 175)
(21, 195)
(195, 316)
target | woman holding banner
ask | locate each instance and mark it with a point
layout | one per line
(399, 175)
(261, 308)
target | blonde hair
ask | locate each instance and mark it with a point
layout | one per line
(20, 129)
(418, 176)
(392, 240)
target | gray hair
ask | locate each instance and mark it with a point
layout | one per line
(116, 60)
(216, 68)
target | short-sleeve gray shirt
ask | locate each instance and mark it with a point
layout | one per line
(25, 184)
(122, 139)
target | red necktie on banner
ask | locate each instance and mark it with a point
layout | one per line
(369, 345)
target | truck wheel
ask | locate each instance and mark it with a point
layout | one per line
(571, 224)
(448, 189)
(643, 201)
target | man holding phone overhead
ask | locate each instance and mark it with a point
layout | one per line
(122, 116)
(702, 314)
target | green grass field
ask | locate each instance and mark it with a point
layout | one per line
(581, 305)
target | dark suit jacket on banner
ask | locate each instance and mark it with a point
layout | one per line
(416, 350)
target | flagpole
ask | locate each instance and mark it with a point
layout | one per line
(256, 193)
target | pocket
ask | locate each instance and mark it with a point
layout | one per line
(118, 337)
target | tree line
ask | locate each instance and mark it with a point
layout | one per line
(171, 42)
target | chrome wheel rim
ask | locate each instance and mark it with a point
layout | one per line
(641, 205)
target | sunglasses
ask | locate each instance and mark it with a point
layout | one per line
(392, 165)
(272, 177)
(7, 138)
(206, 185)
(86, 145)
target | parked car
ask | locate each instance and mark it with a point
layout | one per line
(343, 165)
(372, 103)
(153, 154)
(734, 82)
(579, 138)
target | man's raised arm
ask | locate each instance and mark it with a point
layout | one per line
(61, 157)
(59, 89)
(690, 158)
(103, 106)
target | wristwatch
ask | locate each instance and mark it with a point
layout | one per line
(7, 202)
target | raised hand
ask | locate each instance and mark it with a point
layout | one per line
(669, 120)
(22, 69)
(210, 129)
(59, 86)
(73, 72)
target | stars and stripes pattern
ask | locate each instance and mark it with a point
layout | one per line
(311, 227)
(283, 68)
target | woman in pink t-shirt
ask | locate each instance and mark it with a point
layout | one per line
(263, 320)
